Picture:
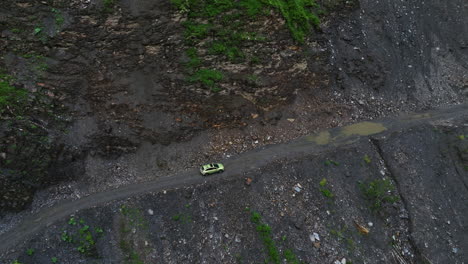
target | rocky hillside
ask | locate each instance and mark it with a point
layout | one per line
(395, 197)
(99, 94)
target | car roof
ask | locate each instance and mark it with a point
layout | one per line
(211, 165)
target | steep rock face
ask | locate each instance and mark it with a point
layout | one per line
(406, 51)
(432, 179)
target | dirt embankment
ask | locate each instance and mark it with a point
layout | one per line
(393, 198)
(119, 72)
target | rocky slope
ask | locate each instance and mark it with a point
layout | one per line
(394, 197)
(117, 95)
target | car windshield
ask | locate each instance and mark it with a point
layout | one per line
(215, 165)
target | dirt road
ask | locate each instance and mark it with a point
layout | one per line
(236, 166)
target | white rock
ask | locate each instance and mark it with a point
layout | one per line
(316, 236)
(150, 212)
(343, 261)
(370, 224)
(312, 238)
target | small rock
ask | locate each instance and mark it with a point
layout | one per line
(150, 212)
(455, 250)
(237, 239)
(298, 222)
(3, 155)
(254, 116)
(291, 119)
(343, 261)
(297, 187)
(248, 181)
(370, 224)
(361, 228)
(314, 237)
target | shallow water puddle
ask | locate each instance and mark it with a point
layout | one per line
(363, 129)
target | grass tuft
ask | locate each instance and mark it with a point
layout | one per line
(207, 78)
(11, 98)
(378, 192)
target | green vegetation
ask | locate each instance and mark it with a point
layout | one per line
(36, 62)
(194, 61)
(299, 15)
(59, 19)
(325, 191)
(132, 257)
(72, 221)
(194, 31)
(461, 137)
(37, 30)
(16, 262)
(183, 218)
(54, 260)
(378, 193)
(221, 28)
(344, 235)
(264, 231)
(330, 162)
(82, 236)
(133, 218)
(30, 251)
(366, 159)
(290, 257)
(108, 5)
(12, 99)
(208, 78)
(272, 251)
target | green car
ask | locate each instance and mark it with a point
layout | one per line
(208, 169)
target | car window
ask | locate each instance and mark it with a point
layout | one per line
(215, 165)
